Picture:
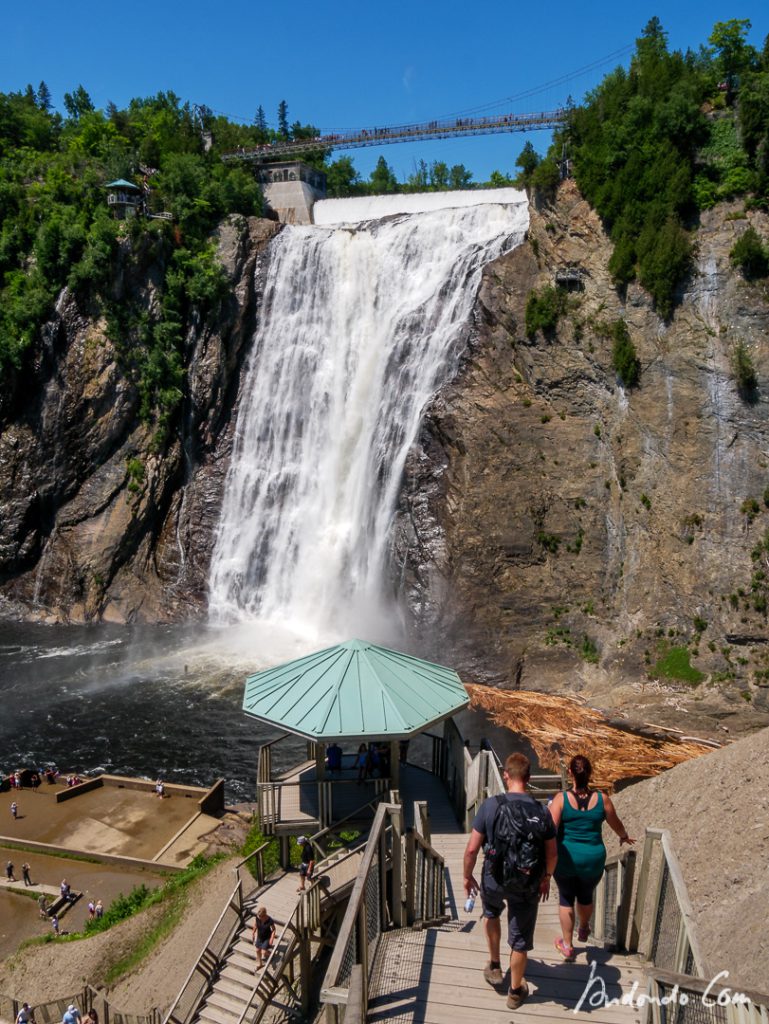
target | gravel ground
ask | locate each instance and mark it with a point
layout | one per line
(717, 810)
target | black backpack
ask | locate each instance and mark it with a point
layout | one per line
(516, 852)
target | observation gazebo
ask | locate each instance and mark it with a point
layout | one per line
(353, 693)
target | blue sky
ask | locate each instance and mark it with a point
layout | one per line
(347, 65)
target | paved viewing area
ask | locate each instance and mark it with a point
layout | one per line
(126, 820)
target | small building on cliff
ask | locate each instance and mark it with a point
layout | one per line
(291, 189)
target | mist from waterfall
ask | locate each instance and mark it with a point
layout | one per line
(360, 326)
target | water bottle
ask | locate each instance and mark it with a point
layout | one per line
(470, 902)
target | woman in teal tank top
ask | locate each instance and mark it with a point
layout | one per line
(579, 814)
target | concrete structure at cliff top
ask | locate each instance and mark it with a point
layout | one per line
(291, 190)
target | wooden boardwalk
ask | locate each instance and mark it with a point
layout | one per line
(435, 976)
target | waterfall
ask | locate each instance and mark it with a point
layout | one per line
(361, 325)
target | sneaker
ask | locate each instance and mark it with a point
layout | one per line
(583, 932)
(493, 974)
(517, 995)
(567, 952)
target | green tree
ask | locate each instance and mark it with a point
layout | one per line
(77, 103)
(528, 160)
(44, 98)
(623, 355)
(750, 255)
(342, 179)
(283, 130)
(382, 179)
(459, 177)
(733, 54)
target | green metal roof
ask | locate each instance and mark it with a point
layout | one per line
(122, 183)
(353, 690)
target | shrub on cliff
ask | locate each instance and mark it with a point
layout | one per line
(749, 254)
(543, 310)
(623, 355)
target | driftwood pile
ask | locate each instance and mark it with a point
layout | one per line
(558, 727)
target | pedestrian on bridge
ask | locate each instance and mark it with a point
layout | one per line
(578, 815)
(518, 838)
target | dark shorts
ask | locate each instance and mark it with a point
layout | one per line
(521, 918)
(262, 943)
(575, 888)
(304, 870)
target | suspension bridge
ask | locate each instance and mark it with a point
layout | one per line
(455, 128)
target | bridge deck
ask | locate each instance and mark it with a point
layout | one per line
(436, 976)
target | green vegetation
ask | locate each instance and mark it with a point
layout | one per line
(543, 310)
(674, 663)
(750, 255)
(672, 135)
(623, 355)
(58, 232)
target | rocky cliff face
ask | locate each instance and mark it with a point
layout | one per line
(555, 530)
(93, 524)
(561, 532)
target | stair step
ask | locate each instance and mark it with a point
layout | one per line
(240, 990)
(239, 973)
(216, 1015)
(226, 1001)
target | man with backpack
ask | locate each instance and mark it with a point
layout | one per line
(518, 838)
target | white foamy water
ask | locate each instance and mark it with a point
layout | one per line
(358, 331)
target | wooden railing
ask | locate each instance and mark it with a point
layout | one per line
(271, 795)
(208, 964)
(415, 895)
(52, 1012)
(612, 900)
(679, 999)
(663, 924)
(368, 913)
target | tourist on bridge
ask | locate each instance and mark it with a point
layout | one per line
(579, 815)
(518, 838)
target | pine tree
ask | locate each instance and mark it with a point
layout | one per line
(283, 119)
(260, 120)
(44, 97)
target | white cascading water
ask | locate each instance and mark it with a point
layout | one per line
(360, 326)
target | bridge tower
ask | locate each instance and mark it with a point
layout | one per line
(291, 189)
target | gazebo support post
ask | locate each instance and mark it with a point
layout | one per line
(285, 854)
(395, 764)
(320, 761)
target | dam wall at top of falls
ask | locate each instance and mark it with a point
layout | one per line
(363, 208)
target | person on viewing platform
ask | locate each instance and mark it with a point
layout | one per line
(25, 1015)
(14, 810)
(578, 815)
(334, 757)
(72, 1016)
(307, 863)
(25, 874)
(9, 871)
(263, 936)
(518, 838)
(99, 910)
(361, 762)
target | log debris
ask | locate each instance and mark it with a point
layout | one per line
(559, 726)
